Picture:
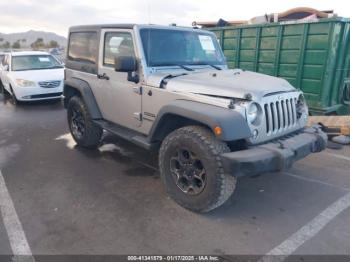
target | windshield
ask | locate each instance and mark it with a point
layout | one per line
(164, 47)
(34, 62)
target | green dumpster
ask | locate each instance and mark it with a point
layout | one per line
(312, 56)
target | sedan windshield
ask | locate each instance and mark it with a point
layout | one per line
(34, 62)
(164, 47)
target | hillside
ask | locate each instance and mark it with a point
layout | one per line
(31, 36)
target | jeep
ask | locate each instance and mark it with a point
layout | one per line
(168, 89)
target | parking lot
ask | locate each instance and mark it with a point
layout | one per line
(111, 201)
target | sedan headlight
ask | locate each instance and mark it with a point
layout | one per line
(24, 83)
(253, 113)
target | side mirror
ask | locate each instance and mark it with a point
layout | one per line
(6, 68)
(125, 64)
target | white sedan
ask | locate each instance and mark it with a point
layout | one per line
(32, 75)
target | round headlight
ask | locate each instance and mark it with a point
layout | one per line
(252, 112)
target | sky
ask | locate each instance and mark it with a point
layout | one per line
(57, 15)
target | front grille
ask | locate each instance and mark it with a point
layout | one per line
(49, 84)
(280, 115)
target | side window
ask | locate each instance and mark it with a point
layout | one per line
(83, 47)
(117, 44)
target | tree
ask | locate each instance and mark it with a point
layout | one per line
(16, 45)
(38, 44)
(24, 41)
(6, 45)
(53, 44)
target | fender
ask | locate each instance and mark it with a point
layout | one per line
(85, 90)
(233, 124)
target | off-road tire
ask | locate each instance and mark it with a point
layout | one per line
(201, 141)
(93, 133)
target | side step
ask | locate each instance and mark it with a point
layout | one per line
(126, 133)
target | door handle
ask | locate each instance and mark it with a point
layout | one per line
(103, 76)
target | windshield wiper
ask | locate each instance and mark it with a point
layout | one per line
(180, 65)
(186, 68)
(216, 67)
(207, 64)
(213, 66)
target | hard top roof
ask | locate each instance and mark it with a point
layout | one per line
(101, 26)
(97, 27)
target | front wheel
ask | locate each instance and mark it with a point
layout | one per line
(14, 97)
(191, 167)
(84, 131)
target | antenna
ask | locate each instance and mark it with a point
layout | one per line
(149, 12)
(148, 56)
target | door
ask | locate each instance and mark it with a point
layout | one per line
(121, 98)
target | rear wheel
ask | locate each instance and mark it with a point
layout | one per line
(191, 168)
(84, 131)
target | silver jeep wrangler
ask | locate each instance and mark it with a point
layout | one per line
(169, 89)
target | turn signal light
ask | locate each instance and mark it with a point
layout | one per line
(217, 131)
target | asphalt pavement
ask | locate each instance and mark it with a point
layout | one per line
(71, 200)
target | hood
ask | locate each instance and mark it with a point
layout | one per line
(39, 75)
(226, 83)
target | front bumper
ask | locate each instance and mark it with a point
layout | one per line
(37, 93)
(277, 155)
